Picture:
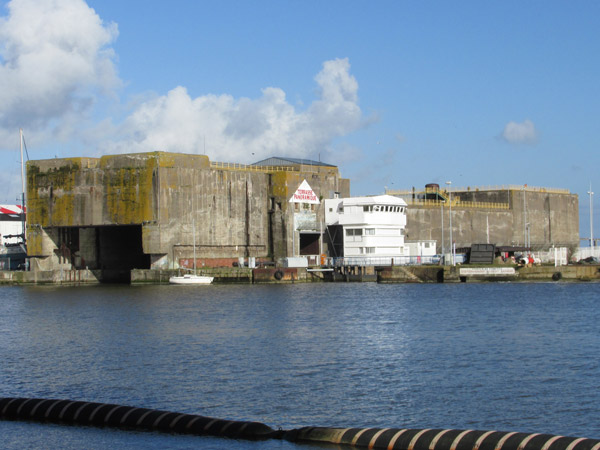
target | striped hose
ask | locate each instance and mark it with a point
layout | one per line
(103, 414)
(439, 439)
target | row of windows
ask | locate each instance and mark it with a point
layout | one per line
(355, 232)
(371, 250)
(383, 208)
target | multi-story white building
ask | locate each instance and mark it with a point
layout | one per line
(367, 229)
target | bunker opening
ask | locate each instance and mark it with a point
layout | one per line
(309, 243)
(113, 250)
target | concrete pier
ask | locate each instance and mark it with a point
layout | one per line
(274, 275)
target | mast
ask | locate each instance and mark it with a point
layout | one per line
(22, 185)
(194, 227)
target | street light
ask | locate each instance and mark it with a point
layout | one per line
(449, 183)
(442, 215)
(591, 194)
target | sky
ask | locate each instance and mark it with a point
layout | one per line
(395, 93)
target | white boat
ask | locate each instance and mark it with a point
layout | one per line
(191, 279)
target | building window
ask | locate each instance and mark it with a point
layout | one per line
(369, 231)
(370, 250)
(354, 234)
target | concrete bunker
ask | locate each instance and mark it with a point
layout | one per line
(114, 250)
(159, 211)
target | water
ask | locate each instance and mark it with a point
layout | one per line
(514, 357)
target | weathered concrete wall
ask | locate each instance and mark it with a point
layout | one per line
(553, 219)
(232, 211)
(324, 181)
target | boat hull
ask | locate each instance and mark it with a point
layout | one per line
(191, 279)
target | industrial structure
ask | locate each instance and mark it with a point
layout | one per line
(140, 211)
(166, 211)
(508, 216)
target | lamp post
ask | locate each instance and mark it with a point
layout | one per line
(449, 183)
(591, 194)
(442, 215)
(524, 218)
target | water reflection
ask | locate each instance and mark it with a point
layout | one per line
(489, 356)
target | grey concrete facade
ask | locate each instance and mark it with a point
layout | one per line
(515, 216)
(145, 211)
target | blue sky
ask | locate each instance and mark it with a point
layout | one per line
(396, 93)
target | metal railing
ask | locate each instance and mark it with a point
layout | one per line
(505, 187)
(251, 168)
(391, 260)
(457, 203)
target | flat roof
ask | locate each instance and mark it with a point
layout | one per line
(374, 200)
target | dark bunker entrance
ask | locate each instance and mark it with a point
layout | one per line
(119, 251)
(309, 243)
(112, 250)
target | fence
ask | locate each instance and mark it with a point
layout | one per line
(586, 252)
(559, 256)
(250, 168)
(506, 187)
(457, 204)
(392, 260)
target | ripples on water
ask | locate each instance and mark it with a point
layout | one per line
(516, 357)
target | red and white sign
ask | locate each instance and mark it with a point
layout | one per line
(305, 194)
(11, 210)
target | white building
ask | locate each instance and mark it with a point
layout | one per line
(367, 230)
(423, 252)
(11, 223)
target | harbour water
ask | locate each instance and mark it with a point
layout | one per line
(498, 356)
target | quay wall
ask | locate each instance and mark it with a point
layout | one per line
(451, 274)
(391, 274)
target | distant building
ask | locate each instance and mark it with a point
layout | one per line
(512, 216)
(12, 248)
(422, 252)
(11, 223)
(367, 230)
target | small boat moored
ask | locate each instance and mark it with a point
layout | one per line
(191, 279)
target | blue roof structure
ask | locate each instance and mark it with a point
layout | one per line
(285, 161)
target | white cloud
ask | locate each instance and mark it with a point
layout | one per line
(57, 67)
(54, 59)
(520, 133)
(243, 130)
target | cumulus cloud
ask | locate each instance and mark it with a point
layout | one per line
(244, 129)
(520, 133)
(57, 65)
(55, 57)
